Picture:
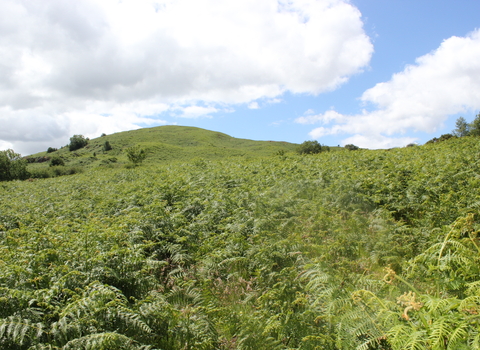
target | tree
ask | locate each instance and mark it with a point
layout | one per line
(310, 147)
(462, 128)
(51, 149)
(136, 154)
(77, 142)
(12, 166)
(475, 126)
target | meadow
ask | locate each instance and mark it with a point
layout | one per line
(260, 249)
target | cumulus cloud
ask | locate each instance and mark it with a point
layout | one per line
(420, 98)
(195, 112)
(119, 64)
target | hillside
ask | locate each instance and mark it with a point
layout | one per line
(373, 250)
(167, 143)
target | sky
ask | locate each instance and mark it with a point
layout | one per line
(374, 73)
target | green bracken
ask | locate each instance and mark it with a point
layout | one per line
(337, 250)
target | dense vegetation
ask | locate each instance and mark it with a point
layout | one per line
(12, 166)
(336, 250)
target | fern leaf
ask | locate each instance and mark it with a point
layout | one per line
(458, 335)
(110, 340)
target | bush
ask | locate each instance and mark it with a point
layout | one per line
(107, 146)
(51, 149)
(444, 137)
(351, 147)
(136, 155)
(311, 147)
(77, 142)
(54, 171)
(12, 166)
(57, 161)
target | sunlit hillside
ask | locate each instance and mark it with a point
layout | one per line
(217, 243)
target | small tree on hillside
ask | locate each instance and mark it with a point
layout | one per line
(12, 166)
(461, 128)
(136, 154)
(107, 146)
(77, 142)
(310, 147)
(475, 126)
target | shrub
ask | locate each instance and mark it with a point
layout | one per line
(351, 147)
(51, 149)
(57, 161)
(107, 146)
(77, 142)
(136, 155)
(12, 166)
(311, 147)
(444, 137)
(54, 171)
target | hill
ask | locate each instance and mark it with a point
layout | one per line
(167, 143)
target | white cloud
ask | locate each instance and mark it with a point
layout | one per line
(195, 112)
(379, 141)
(420, 98)
(61, 61)
(253, 105)
(324, 118)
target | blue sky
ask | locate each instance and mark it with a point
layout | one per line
(401, 31)
(376, 73)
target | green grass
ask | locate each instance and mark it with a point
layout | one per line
(165, 144)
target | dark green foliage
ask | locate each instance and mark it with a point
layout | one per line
(77, 142)
(12, 166)
(54, 171)
(107, 147)
(351, 147)
(444, 137)
(311, 147)
(37, 159)
(136, 155)
(475, 126)
(57, 161)
(51, 150)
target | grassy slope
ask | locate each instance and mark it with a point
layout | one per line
(168, 143)
(250, 237)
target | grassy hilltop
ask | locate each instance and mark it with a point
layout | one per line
(167, 143)
(219, 243)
